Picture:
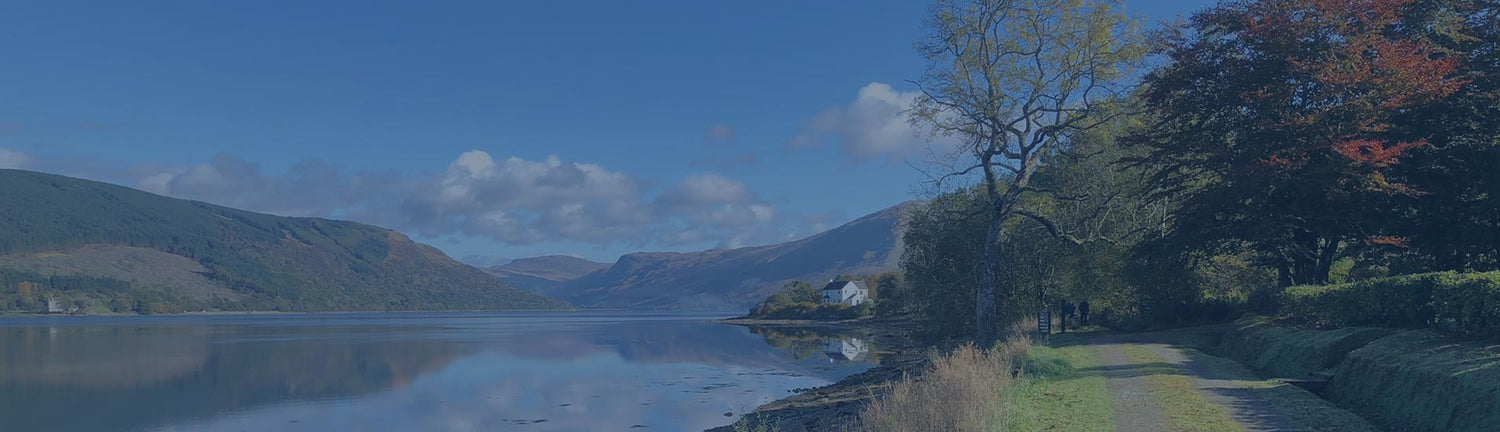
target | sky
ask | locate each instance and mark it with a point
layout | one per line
(491, 129)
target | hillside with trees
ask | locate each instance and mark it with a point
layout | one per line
(95, 247)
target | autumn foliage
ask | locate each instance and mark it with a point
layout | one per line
(1280, 121)
(1356, 75)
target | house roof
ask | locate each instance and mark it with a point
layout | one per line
(839, 285)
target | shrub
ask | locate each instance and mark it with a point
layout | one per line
(1460, 304)
(1402, 301)
(807, 310)
(1470, 306)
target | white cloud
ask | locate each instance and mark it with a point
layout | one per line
(714, 208)
(517, 201)
(508, 201)
(14, 159)
(310, 188)
(521, 201)
(877, 123)
(716, 201)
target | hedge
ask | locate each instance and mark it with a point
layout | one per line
(1464, 304)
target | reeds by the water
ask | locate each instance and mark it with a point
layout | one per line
(962, 391)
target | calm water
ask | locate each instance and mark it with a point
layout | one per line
(403, 372)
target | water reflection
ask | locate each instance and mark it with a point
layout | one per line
(846, 349)
(401, 372)
(840, 346)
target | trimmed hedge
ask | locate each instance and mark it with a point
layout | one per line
(1464, 304)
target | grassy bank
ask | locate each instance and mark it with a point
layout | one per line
(1311, 412)
(1290, 352)
(1420, 380)
(1402, 380)
(1020, 387)
(1063, 390)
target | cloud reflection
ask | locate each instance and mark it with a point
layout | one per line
(390, 372)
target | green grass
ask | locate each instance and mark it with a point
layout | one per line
(1420, 380)
(1307, 409)
(1186, 409)
(1058, 394)
(1401, 380)
(1288, 352)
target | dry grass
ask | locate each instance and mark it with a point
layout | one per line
(963, 391)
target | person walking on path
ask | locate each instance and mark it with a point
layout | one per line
(1083, 312)
(1067, 309)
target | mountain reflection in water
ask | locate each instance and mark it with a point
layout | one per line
(547, 371)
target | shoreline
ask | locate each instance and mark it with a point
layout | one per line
(261, 313)
(831, 406)
(849, 324)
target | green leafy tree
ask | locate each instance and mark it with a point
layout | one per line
(1014, 80)
(793, 293)
(1454, 220)
(894, 298)
(1097, 196)
(28, 296)
(942, 255)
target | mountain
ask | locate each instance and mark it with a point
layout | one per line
(542, 274)
(102, 247)
(736, 278)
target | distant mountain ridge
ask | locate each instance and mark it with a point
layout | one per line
(735, 278)
(540, 274)
(100, 246)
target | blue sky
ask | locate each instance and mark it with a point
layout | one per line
(487, 128)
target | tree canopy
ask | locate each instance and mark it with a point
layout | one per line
(1280, 123)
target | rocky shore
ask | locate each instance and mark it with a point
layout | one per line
(836, 405)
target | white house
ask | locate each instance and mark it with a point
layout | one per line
(846, 292)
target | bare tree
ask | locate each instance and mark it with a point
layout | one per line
(1013, 80)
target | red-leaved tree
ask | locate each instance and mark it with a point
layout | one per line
(1278, 121)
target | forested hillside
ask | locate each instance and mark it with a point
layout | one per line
(101, 247)
(737, 278)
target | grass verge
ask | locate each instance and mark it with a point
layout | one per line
(1062, 391)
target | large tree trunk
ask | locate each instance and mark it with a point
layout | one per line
(1326, 257)
(986, 301)
(1284, 274)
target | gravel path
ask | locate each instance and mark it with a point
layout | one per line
(1222, 386)
(1135, 409)
(1221, 382)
